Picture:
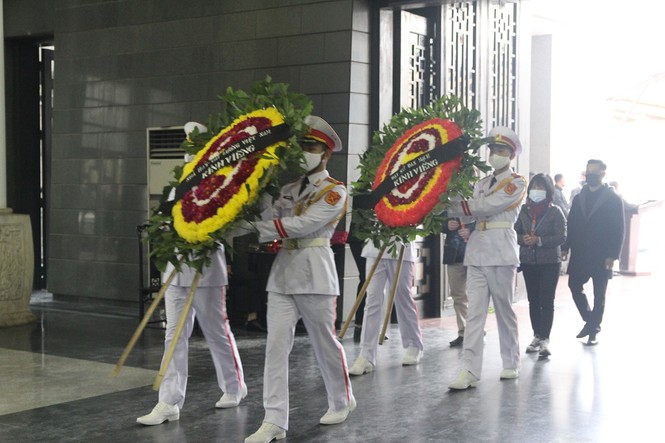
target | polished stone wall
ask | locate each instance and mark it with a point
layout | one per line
(123, 66)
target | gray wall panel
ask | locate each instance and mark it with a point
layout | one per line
(28, 17)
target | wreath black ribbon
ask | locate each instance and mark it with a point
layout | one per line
(230, 155)
(423, 163)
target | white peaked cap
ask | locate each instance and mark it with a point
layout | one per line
(190, 126)
(506, 137)
(321, 131)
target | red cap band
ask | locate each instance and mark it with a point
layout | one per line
(321, 137)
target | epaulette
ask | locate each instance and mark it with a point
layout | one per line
(332, 180)
(516, 175)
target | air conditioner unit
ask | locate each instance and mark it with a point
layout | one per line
(164, 154)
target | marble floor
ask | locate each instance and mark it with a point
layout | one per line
(57, 384)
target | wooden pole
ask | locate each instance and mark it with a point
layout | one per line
(178, 332)
(393, 289)
(361, 294)
(143, 323)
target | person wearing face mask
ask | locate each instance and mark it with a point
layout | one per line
(209, 310)
(541, 230)
(303, 284)
(595, 236)
(491, 258)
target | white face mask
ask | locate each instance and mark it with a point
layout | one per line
(537, 195)
(498, 161)
(311, 160)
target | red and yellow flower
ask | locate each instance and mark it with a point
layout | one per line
(220, 198)
(410, 202)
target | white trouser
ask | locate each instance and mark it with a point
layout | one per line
(209, 307)
(318, 314)
(457, 284)
(378, 290)
(484, 282)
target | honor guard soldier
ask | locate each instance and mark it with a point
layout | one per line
(492, 258)
(303, 284)
(407, 314)
(209, 309)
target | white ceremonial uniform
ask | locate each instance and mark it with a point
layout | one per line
(303, 283)
(492, 256)
(209, 308)
(378, 290)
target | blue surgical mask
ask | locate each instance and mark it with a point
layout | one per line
(537, 195)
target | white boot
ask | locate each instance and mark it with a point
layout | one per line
(159, 414)
(509, 373)
(464, 380)
(361, 366)
(335, 417)
(412, 356)
(231, 400)
(266, 433)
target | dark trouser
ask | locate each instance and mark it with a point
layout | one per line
(541, 281)
(356, 250)
(593, 317)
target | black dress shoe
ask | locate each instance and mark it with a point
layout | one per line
(457, 342)
(593, 340)
(255, 325)
(586, 330)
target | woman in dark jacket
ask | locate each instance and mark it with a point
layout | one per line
(541, 230)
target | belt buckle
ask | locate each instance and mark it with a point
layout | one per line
(482, 225)
(291, 243)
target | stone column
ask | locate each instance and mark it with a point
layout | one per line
(16, 254)
(16, 269)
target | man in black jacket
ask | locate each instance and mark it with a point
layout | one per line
(595, 236)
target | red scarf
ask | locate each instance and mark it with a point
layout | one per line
(538, 209)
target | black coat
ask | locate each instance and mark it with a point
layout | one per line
(551, 230)
(596, 234)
